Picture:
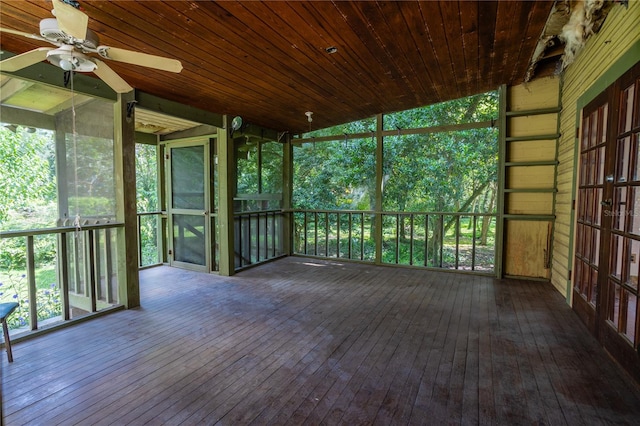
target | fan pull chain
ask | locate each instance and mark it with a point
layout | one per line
(74, 135)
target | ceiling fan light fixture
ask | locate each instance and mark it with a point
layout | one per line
(70, 60)
(66, 65)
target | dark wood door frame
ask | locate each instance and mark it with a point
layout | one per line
(591, 223)
(607, 271)
(606, 238)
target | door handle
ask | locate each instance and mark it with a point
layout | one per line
(606, 203)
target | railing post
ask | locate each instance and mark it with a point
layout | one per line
(361, 236)
(441, 240)
(98, 264)
(315, 234)
(326, 234)
(257, 233)
(63, 268)
(77, 276)
(139, 224)
(266, 235)
(338, 235)
(426, 239)
(305, 225)
(457, 241)
(397, 238)
(473, 243)
(91, 259)
(108, 268)
(31, 280)
(273, 234)
(350, 234)
(411, 240)
(240, 248)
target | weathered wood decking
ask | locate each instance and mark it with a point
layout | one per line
(302, 341)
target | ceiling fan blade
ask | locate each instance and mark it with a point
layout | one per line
(139, 58)
(24, 60)
(71, 21)
(110, 77)
(23, 34)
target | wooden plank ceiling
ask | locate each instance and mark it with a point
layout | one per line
(267, 61)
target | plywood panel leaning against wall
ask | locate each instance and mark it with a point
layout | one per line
(530, 177)
(605, 56)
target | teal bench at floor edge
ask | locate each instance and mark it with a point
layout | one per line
(7, 309)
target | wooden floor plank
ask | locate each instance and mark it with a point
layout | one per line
(395, 403)
(301, 341)
(437, 325)
(542, 403)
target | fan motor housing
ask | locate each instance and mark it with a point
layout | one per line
(49, 29)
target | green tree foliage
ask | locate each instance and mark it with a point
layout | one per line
(444, 171)
(27, 192)
(259, 172)
(473, 109)
(271, 171)
(147, 200)
(146, 178)
(335, 175)
(441, 170)
(27, 170)
(246, 155)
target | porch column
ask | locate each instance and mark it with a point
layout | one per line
(125, 177)
(226, 179)
(379, 180)
(287, 196)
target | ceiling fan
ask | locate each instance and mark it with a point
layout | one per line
(74, 40)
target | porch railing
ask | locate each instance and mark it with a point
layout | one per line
(61, 273)
(459, 241)
(258, 237)
(343, 234)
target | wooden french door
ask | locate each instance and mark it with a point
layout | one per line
(607, 254)
(589, 206)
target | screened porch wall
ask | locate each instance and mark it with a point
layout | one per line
(421, 192)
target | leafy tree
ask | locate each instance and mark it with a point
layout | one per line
(146, 178)
(147, 200)
(259, 171)
(27, 167)
(447, 171)
(335, 175)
